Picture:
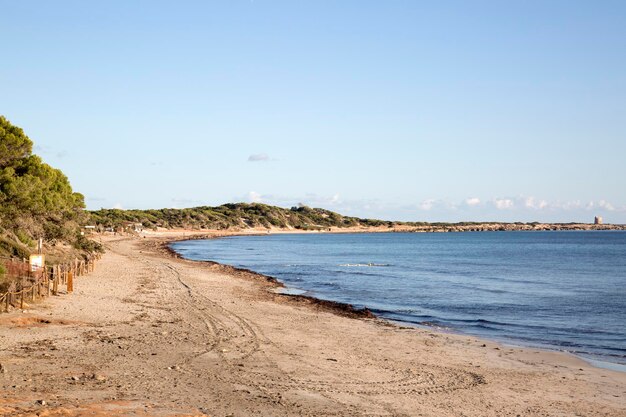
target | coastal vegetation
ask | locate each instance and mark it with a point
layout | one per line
(36, 200)
(232, 216)
(241, 216)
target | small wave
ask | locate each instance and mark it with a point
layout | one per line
(302, 274)
(367, 264)
(356, 273)
(434, 325)
(364, 274)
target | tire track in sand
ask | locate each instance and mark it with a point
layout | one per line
(419, 380)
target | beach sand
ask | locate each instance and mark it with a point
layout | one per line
(147, 334)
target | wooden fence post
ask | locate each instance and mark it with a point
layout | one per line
(48, 281)
(55, 280)
(35, 285)
(70, 282)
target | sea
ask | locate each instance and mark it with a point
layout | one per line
(560, 290)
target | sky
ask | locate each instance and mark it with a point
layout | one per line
(400, 110)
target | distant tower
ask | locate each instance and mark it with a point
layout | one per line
(597, 220)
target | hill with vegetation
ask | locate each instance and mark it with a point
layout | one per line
(36, 200)
(231, 216)
(241, 216)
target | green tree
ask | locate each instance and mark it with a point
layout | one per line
(34, 197)
(14, 144)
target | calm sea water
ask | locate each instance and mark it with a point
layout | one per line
(561, 290)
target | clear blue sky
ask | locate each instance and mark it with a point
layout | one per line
(468, 110)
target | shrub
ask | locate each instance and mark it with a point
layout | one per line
(24, 238)
(11, 247)
(87, 245)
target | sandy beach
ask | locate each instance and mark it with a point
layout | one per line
(148, 334)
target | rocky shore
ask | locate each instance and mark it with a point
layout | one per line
(507, 227)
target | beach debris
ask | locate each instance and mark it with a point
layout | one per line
(42, 402)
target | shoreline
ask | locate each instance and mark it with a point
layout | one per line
(177, 234)
(156, 335)
(336, 307)
(350, 310)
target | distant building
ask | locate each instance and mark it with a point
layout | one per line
(131, 227)
(597, 220)
(88, 229)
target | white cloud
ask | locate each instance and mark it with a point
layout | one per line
(573, 205)
(503, 203)
(569, 205)
(436, 205)
(606, 205)
(185, 202)
(535, 204)
(254, 197)
(520, 208)
(118, 206)
(258, 157)
(312, 199)
(427, 204)
(532, 203)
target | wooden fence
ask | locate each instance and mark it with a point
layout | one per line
(28, 285)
